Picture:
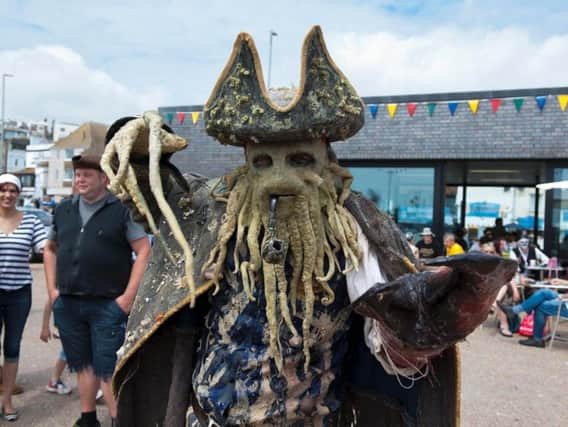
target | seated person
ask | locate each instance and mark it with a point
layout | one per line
(507, 294)
(410, 240)
(452, 248)
(544, 302)
(461, 234)
(487, 236)
(525, 252)
(428, 247)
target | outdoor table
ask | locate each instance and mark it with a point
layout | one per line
(542, 268)
(548, 285)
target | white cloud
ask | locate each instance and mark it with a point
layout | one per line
(56, 82)
(450, 59)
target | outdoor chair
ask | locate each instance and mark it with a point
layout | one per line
(556, 320)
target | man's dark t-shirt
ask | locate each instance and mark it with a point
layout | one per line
(429, 250)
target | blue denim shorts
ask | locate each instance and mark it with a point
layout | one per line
(92, 330)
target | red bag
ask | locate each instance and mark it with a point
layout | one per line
(527, 324)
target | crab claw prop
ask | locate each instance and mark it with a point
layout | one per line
(431, 310)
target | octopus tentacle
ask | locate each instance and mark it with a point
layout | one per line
(154, 122)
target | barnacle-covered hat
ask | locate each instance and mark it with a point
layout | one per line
(239, 109)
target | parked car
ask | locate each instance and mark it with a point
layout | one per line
(47, 219)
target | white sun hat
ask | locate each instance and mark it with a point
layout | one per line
(8, 178)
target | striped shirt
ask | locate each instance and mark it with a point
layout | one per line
(15, 249)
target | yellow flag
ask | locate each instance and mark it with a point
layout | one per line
(563, 100)
(194, 116)
(473, 104)
(392, 109)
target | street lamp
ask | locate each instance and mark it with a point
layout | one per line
(272, 34)
(3, 149)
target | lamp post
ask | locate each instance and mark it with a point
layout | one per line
(272, 34)
(3, 149)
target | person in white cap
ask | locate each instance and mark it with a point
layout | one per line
(427, 246)
(19, 232)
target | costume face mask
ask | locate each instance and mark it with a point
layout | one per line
(283, 169)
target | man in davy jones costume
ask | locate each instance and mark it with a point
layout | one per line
(274, 295)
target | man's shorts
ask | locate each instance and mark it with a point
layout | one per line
(92, 330)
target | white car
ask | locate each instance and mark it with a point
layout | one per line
(46, 218)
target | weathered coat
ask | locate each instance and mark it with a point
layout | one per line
(153, 376)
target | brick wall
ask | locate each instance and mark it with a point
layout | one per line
(506, 134)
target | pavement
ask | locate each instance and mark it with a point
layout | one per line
(503, 383)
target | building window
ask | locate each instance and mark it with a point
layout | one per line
(559, 243)
(406, 193)
(68, 153)
(27, 180)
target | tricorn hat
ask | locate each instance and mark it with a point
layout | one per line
(239, 109)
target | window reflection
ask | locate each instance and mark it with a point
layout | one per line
(559, 246)
(407, 194)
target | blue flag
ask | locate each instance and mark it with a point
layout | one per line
(373, 108)
(540, 100)
(453, 107)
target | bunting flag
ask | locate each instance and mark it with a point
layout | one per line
(194, 117)
(563, 100)
(495, 103)
(540, 100)
(169, 117)
(411, 107)
(518, 103)
(392, 109)
(473, 105)
(373, 108)
(431, 108)
(180, 116)
(453, 106)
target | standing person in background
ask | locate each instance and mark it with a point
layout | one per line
(19, 232)
(498, 230)
(92, 280)
(428, 247)
(55, 384)
(452, 248)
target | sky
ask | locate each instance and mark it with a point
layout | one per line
(76, 60)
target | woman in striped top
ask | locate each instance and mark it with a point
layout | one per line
(18, 234)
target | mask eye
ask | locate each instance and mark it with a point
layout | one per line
(301, 159)
(262, 161)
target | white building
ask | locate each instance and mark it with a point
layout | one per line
(89, 136)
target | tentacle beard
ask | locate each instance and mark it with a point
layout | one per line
(317, 228)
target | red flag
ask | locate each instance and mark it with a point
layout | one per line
(495, 103)
(181, 116)
(411, 107)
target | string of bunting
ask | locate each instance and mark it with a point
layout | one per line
(474, 105)
(411, 108)
(181, 115)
